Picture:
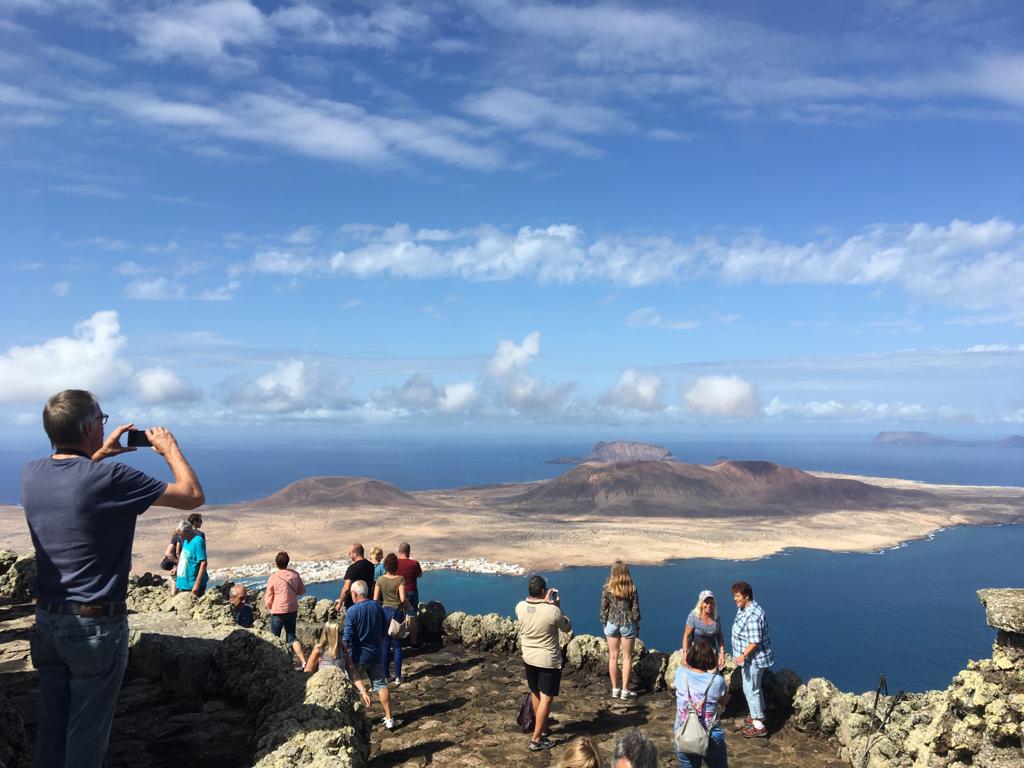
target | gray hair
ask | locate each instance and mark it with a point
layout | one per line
(184, 526)
(635, 747)
(359, 588)
(67, 414)
(237, 590)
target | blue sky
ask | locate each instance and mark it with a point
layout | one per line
(488, 215)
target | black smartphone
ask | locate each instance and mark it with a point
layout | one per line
(137, 439)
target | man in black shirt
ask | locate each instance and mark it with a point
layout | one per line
(361, 569)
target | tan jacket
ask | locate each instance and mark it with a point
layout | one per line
(539, 622)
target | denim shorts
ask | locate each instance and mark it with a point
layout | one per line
(619, 630)
(376, 674)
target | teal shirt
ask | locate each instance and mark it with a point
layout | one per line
(192, 554)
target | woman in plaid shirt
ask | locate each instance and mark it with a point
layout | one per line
(753, 654)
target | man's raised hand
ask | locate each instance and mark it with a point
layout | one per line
(112, 445)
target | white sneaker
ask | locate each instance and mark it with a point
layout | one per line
(615, 693)
(389, 723)
(628, 695)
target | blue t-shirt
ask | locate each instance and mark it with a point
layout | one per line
(365, 629)
(193, 553)
(698, 682)
(81, 515)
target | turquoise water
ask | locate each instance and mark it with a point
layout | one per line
(909, 612)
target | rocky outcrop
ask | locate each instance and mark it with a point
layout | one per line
(14, 748)
(978, 720)
(17, 575)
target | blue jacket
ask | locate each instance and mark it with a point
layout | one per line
(365, 630)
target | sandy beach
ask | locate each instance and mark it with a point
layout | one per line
(469, 529)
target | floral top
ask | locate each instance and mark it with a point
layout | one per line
(619, 611)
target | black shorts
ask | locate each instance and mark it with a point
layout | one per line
(543, 680)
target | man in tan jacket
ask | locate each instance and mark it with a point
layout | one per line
(540, 617)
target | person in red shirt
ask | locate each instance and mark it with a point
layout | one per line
(410, 570)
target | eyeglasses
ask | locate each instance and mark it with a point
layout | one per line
(102, 419)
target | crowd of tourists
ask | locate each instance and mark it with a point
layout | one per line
(81, 513)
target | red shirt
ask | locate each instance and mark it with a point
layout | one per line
(409, 570)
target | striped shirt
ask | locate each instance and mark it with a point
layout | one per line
(749, 627)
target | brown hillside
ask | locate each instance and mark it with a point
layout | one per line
(340, 492)
(676, 488)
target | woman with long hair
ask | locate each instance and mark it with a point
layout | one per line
(703, 621)
(330, 651)
(620, 616)
(389, 591)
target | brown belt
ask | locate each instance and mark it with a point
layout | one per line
(88, 610)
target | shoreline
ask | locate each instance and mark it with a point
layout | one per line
(324, 571)
(475, 531)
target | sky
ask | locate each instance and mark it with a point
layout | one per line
(487, 216)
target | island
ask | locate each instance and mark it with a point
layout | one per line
(646, 511)
(928, 439)
(619, 450)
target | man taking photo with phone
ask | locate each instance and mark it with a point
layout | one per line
(540, 617)
(81, 513)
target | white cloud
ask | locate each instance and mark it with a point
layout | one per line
(91, 359)
(722, 396)
(636, 391)
(649, 316)
(860, 410)
(282, 262)
(224, 292)
(199, 31)
(306, 235)
(61, 288)
(296, 387)
(320, 128)
(458, 398)
(382, 26)
(518, 389)
(156, 289)
(511, 357)
(156, 386)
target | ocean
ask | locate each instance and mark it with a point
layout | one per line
(910, 612)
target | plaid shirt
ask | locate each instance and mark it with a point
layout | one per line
(749, 627)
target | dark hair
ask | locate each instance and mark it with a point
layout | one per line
(196, 519)
(537, 586)
(358, 549)
(637, 748)
(700, 655)
(282, 559)
(67, 414)
(404, 548)
(742, 588)
(391, 562)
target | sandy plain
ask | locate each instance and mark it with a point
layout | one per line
(472, 525)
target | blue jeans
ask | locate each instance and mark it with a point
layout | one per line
(81, 663)
(715, 758)
(392, 645)
(752, 690)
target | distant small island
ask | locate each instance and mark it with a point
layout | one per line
(930, 439)
(619, 450)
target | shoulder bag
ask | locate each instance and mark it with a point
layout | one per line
(692, 736)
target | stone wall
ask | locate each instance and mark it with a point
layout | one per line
(977, 721)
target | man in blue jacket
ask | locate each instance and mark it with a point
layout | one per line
(365, 630)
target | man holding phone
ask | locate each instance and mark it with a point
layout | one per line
(81, 513)
(540, 618)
